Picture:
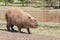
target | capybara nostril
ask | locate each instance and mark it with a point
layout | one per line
(36, 24)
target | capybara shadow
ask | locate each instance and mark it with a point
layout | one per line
(24, 32)
(7, 30)
(13, 31)
(18, 31)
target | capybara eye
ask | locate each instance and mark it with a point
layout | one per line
(29, 17)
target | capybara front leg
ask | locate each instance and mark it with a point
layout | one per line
(28, 30)
(8, 27)
(12, 28)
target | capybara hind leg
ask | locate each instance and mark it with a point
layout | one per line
(12, 28)
(8, 27)
(28, 31)
(19, 29)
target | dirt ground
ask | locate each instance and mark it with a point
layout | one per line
(19, 36)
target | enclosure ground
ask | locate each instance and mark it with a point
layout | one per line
(19, 36)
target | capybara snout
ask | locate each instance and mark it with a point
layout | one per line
(32, 22)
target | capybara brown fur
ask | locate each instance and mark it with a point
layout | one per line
(19, 18)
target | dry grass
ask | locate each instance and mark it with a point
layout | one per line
(39, 31)
(2, 16)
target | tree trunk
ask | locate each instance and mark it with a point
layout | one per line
(51, 3)
(6, 2)
(22, 3)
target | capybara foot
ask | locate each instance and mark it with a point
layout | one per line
(29, 33)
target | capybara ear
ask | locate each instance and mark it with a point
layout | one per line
(29, 17)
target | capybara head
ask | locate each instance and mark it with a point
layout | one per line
(32, 22)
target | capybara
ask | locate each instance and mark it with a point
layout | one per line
(19, 18)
